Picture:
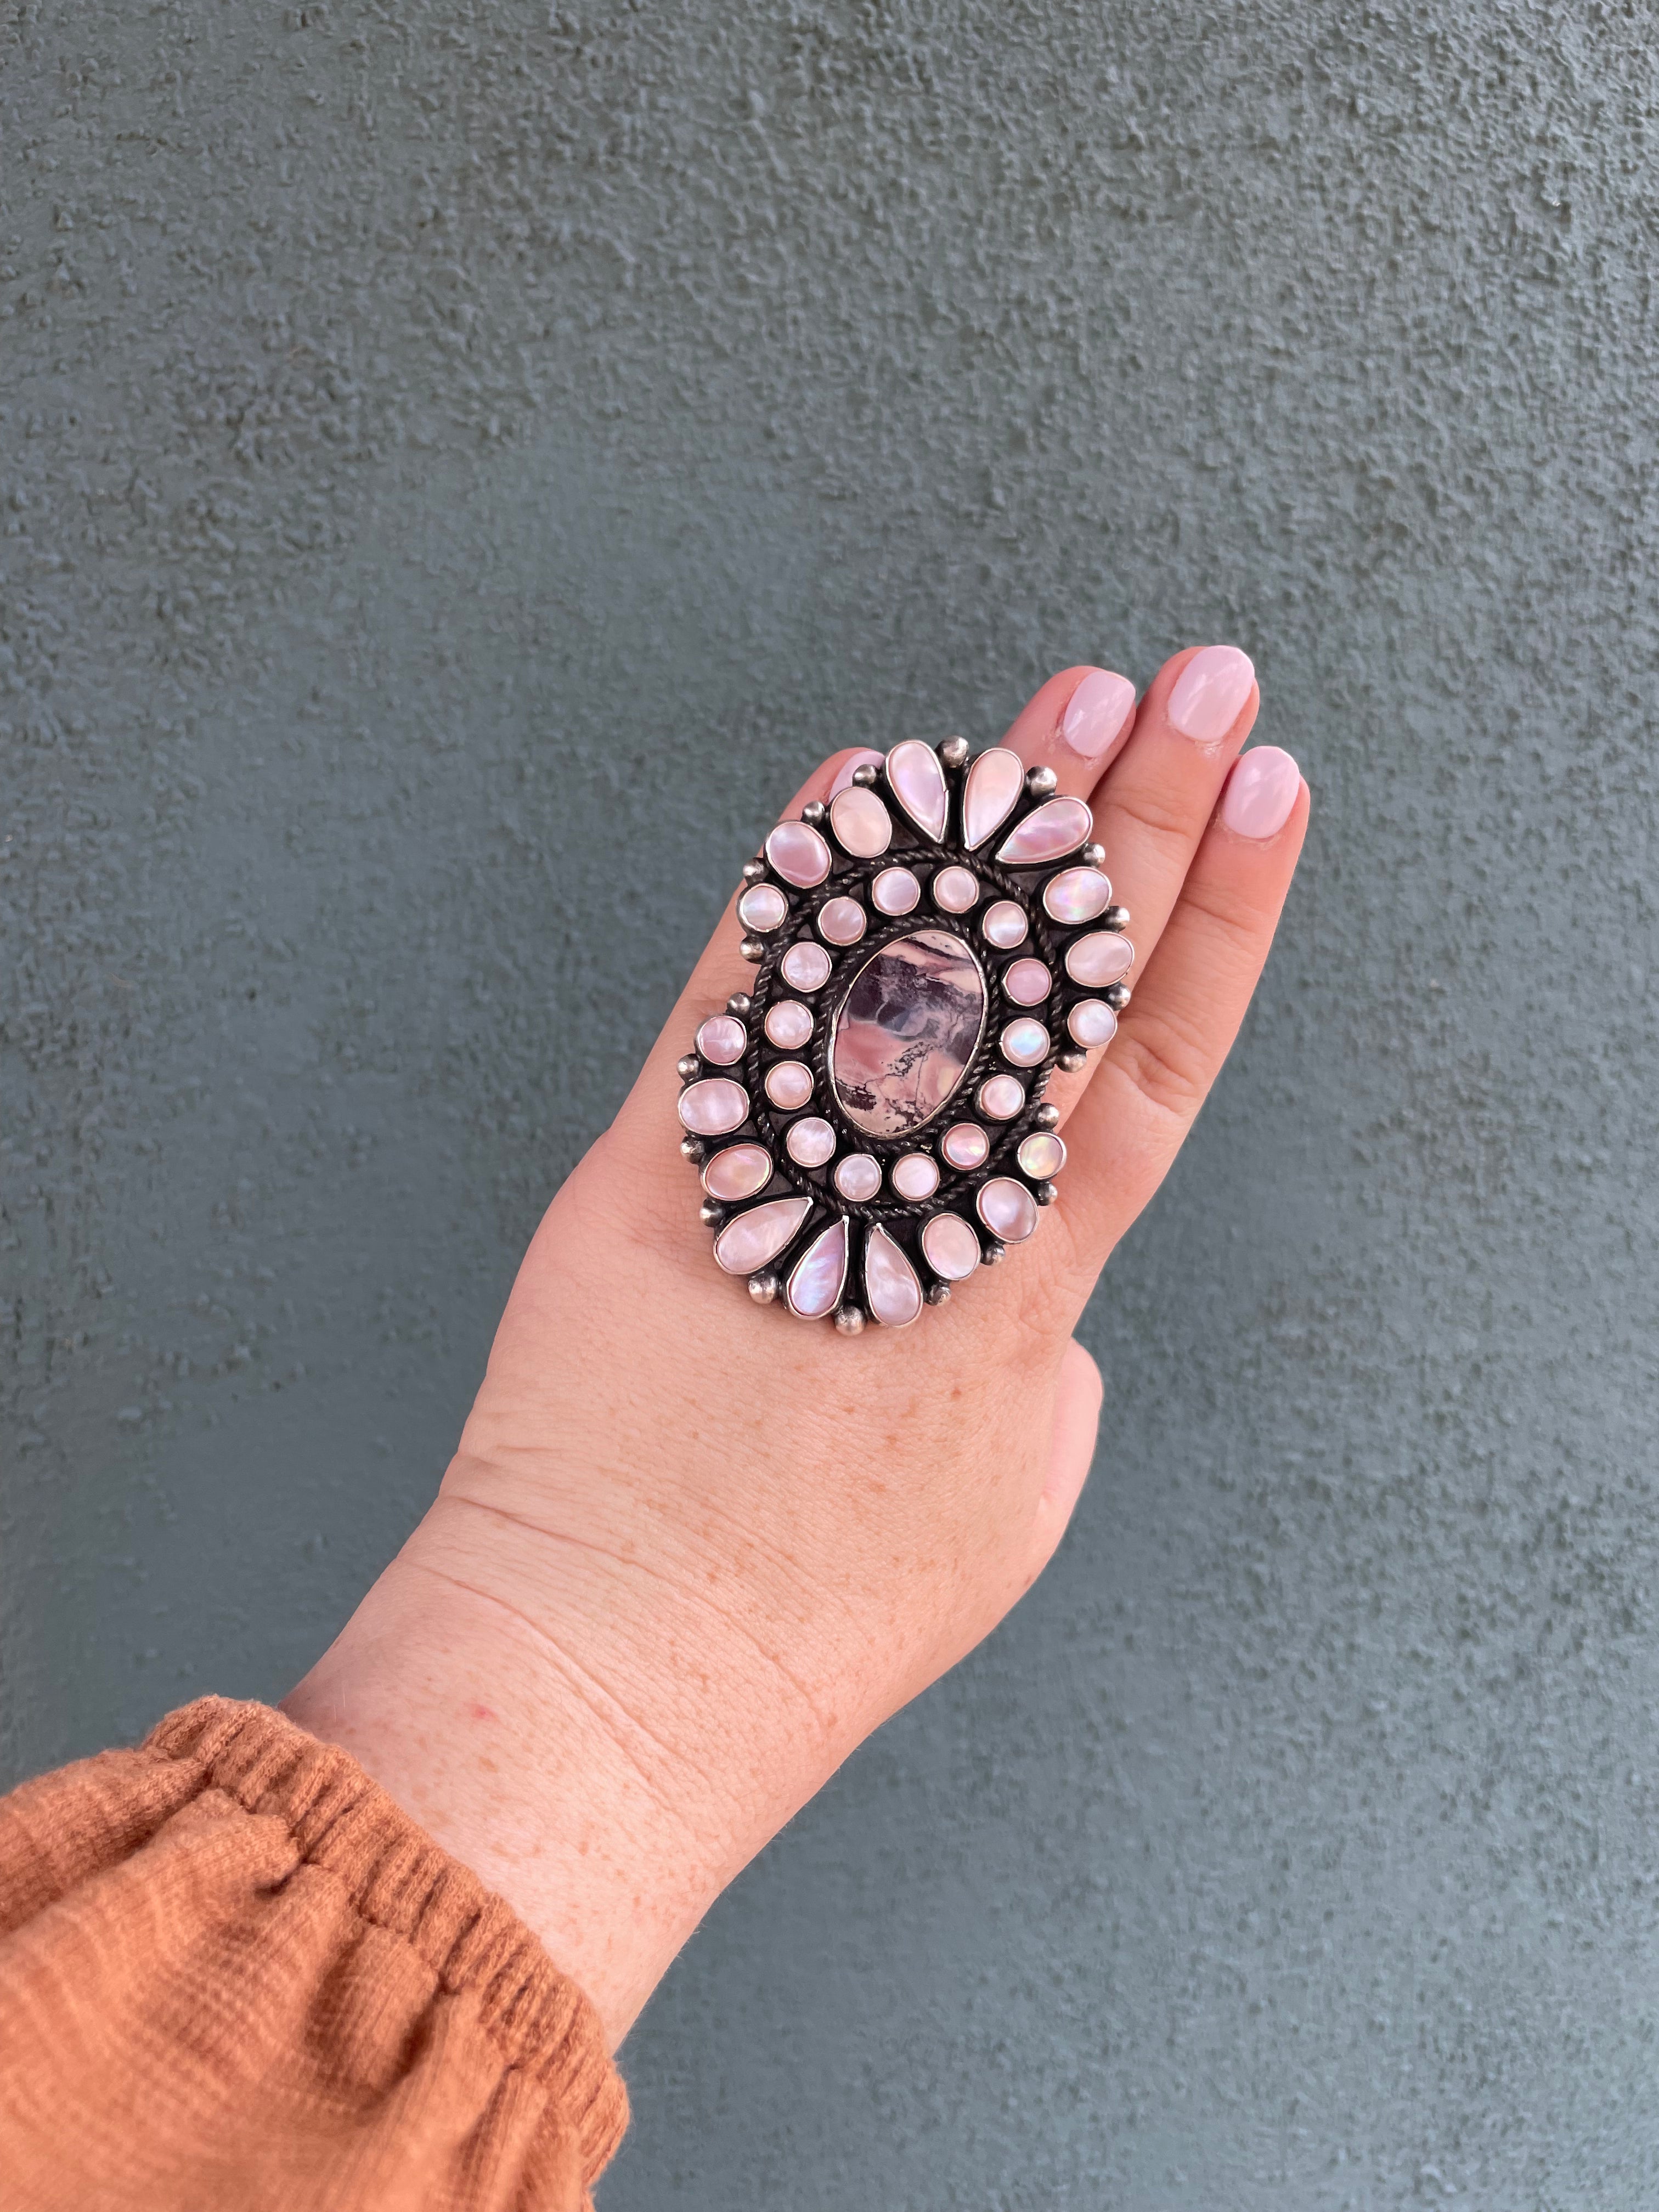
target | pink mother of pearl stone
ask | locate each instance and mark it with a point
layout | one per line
(798, 853)
(841, 920)
(806, 966)
(965, 1144)
(789, 1084)
(756, 1237)
(895, 891)
(950, 1246)
(814, 1282)
(1058, 825)
(1007, 1209)
(722, 1039)
(789, 1023)
(712, 1107)
(738, 1172)
(761, 907)
(890, 1289)
(1091, 1023)
(1005, 926)
(917, 782)
(1102, 958)
(915, 1176)
(858, 1177)
(1042, 1155)
(955, 890)
(811, 1141)
(995, 783)
(1027, 982)
(862, 825)
(1001, 1096)
(1025, 1043)
(1077, 894)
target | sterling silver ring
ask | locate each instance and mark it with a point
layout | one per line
(869, 1121)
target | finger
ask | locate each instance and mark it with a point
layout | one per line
(1076, 725)
(1155, 1074)
(1071, 1449)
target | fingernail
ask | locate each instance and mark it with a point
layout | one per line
(1261, 792)
(1096, 714)
(865, 757)
(1210, 691)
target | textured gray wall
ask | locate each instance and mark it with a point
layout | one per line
(444, 446)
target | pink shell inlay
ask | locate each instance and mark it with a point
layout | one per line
(995, 783)
(805, 965)
(722, 1039)
(811, 1141)
(858, 1177)
(1078, 894)
(789, 1024)
(1091, 1023)
(915, 1176)
(1005, 926)
(1058, 825)
(895, 891)
(862, 825)
(841, 920)
(1102, 958)
(711, 1108)
(789, 1084)
(738, 1172)
(890, 1289)
(1008, 1209)
(755, 1238)
(798, 853)
(965, 1144)
(1027, 982)
(1025, 1043)
(761, 907)
(1042, 1155)
(814, 1284)
(955, 890)
(917, 782)
(1001, 1096)
(950, 1246)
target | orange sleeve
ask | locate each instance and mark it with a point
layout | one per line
(233, 1973)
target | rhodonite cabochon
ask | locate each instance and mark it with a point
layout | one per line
(869, 1119)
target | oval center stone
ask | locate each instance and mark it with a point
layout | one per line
(907, 1031)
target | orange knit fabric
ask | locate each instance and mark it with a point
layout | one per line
(235, 1975)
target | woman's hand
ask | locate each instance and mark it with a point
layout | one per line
(689, 1553)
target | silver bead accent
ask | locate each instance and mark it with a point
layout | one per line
(1045, 1193)
(1116, 996)
(1093, 856)
(1115, 917)
(1072, 1058)
(866, 773)
(711, 1213)
(938, 1294)
(688, 1068)
(1041, 782)
(765, 1286)
(1048, 1114)
(753, 871)
(753, 949)
(991, 1251)
(954, 752)
(740, 1004)
(695, 1150)
(849, 1320)
(813, 813)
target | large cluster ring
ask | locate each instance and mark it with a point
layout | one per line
(869, 1121)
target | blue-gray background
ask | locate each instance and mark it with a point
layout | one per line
(447, 452)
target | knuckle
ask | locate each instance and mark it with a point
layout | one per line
(1166, 1061)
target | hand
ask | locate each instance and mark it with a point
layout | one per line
(689, 1553)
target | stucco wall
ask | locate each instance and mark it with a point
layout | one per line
(448, 449)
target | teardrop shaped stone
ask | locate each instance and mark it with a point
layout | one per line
(917, 782)
(1101, 957)
(862, 825)
(756, 1237)
(991, 793)
(713, 1106)
(890, 1289)
(814, 1284)
(907, 1031)
(1058, 826)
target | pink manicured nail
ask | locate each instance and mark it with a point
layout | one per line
(1261, 792)
(865, 757)
(1210, 692)
(1096, 714)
